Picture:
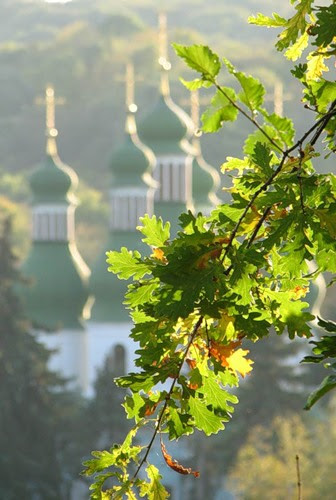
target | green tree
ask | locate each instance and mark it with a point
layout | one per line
(269, 455)
(240, 274)
(39, 454)
(106, 417)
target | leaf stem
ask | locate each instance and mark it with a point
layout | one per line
(258, 226)
(250, 203)
(163, 409)
(251, 119)
(320, 126)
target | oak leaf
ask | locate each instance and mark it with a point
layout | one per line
(158, 254)
(173, 464)
(228, 355)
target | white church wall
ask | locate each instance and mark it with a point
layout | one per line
(70, 356)
(102, 339)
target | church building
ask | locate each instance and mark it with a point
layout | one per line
(158, 169)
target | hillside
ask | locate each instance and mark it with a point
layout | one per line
(81, 47)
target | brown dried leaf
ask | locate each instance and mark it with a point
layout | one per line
(173, 464)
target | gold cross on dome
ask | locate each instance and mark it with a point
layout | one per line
(129, 78)
(50, 102)
(163, 42)
(130, 85)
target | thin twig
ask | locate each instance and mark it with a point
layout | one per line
(258, 226)
(252, 120)
(298, 475)
(319, 125)
(324, 122)
(163, 409)
(252, 200)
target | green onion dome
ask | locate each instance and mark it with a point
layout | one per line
(57, 297)
(131, 196)
(108, 290)
(132, 162)
(53, 181)
(165, 127)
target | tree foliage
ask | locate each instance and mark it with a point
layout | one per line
(269, 454)
(38, 432)
(241, 273)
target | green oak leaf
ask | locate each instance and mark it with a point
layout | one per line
(253, 91)
(329, 326)
(326, 385)
(220, 110)
(199, 58)
(262, 157)
(133, 405)
(271, 22)
(156, 233)
(96, 487)
(327, 218)
(295, 51)
(153, 490)
(283, 125)
(325, 93)
(178, 423)
(295, 25)
(324, 28)
(216, 396)
(205, 420)
(258, 136)
(136, 381)
(234, 164)
(140, 293)
(127, 263)
(195, 84)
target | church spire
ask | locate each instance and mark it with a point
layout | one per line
(164, 63)
(58, 298)
(131, 196)
(164, 130)
(206, 179)
(131, 107)
(51, 131)
(50, 101)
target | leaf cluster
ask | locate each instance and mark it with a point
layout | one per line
(325, 349)
(237, 274)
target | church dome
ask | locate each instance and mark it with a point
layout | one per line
(129, 163)
(131, 167)
(58, 293)
(52, 181)
(107, 289)
(164, 127)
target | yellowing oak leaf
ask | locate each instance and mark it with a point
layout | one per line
(251, 220)
(225, 328)
(158, 254)
(230, 356)
(316, 66)
(239, 363)
(295, 50)
(300, 291)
